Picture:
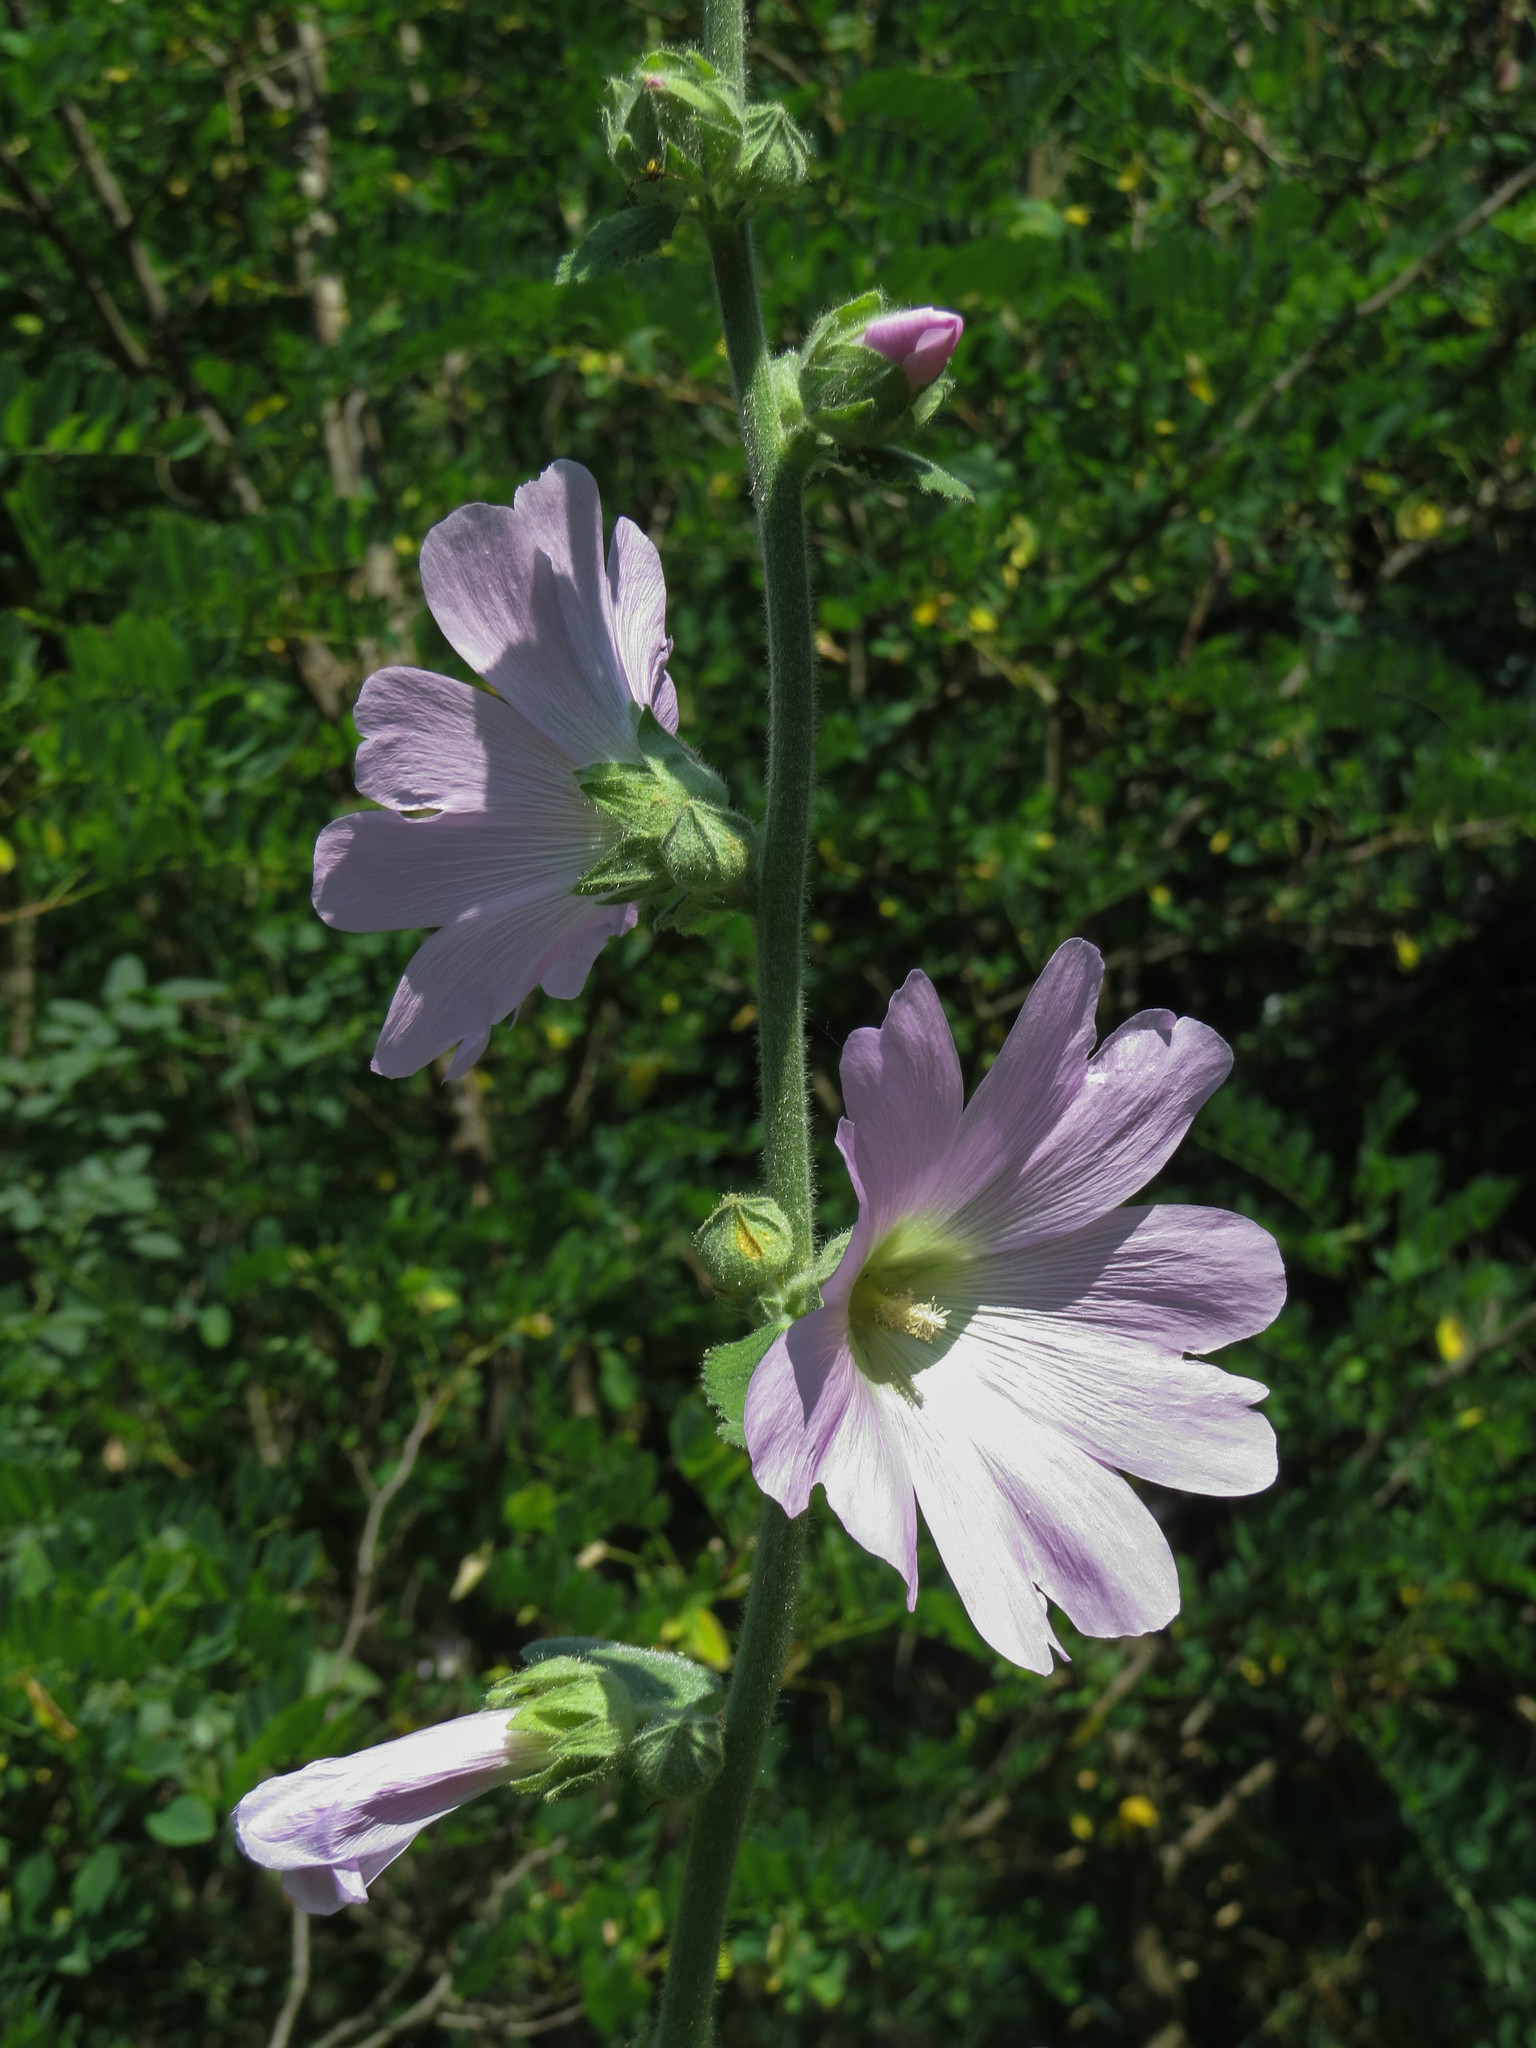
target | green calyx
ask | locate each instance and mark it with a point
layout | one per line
(599, 1707)
(728, 1368)
(682, 853)
(689, 141)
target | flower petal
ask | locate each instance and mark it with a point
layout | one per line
(812, 1416)
(640, 620)
(1139, 1096)
(1014, 1506)
(1034, 1080)
(1131, 1405)
(430, 743)
(476, 971)
(1176, 1277)
(521, 593)
(378, 872)
(904, 1093)
(566, 975)
(357, 1813)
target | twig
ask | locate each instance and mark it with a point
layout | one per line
(379, 1498)
(504, 2023)
(414, 2016)
(530, 1860)
(298, 1981)
(1130, 1674)
(1249, 126)
(124, 340)
(337, 2034)
(1204, 1825)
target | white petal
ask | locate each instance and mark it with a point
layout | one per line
(640, 620)
(378, 872)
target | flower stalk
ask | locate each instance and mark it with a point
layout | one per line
(687, 2006)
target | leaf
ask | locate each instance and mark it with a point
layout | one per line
(899, 466)
(188, 1819)
(728, 1370)
(626, 238)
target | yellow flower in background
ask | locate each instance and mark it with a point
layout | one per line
(1420, 521)
(1451, 1340)
(1138, 1811)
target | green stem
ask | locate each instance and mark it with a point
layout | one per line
(687, 2005)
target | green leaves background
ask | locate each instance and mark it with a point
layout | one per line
(1228, 667)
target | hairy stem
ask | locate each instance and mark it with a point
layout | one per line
(777, 487)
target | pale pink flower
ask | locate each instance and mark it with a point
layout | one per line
(922, 339)
(573, 649)
(332, 1827)
(1000, 1340)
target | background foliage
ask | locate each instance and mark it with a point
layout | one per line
(1229, 668)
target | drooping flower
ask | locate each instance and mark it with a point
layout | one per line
(573, 649)
(330, 1828)
(921, 339)
(1001, 1340)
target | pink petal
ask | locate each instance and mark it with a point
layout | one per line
(521, 593)
(1127, 1404)
(812, 1416)
(566, 975)
(378, 872)
(1139, 1096)
(1013, 1506)
(1178, 1277)
(477, 970)
(640, 620)
(430, 743)
(921, 338)
(351, 1816)
(904, 1092)
(1034, 1080)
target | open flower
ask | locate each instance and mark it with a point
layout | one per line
(1000, 1341)
(332, 1827)
(572, 648)
(921, 339)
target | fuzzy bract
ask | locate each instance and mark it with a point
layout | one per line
(484, 831)
(1001, 1340)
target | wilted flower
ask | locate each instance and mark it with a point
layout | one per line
(572, 650)
(332, 1827)
(921, 339)
(1000, 1340)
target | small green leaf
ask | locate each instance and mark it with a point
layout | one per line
(188, 1819)
(901, 467)
(728, 1370)
(613, 243)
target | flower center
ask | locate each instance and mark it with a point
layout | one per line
(899, 1321)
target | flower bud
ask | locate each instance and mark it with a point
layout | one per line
(676, 1743)
(686, 139)
(746, 1247)
(920, 340)
(866, 375)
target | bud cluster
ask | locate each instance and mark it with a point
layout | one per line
(683, 853)
(688, 140)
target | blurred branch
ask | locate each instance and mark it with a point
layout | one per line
(1204, 1825)
(298, 1981)
(414, 2016)
(334, 2036)
(506, 2020)
(429, 1415)
(124, 340)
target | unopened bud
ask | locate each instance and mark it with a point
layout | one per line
(866, 375)
(920, 341)
(746, 1247)
(687, 140)
(708, 852)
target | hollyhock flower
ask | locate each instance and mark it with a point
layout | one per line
(921, 339)
(332, 1827)
(572, 649)
(1000, 1340)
